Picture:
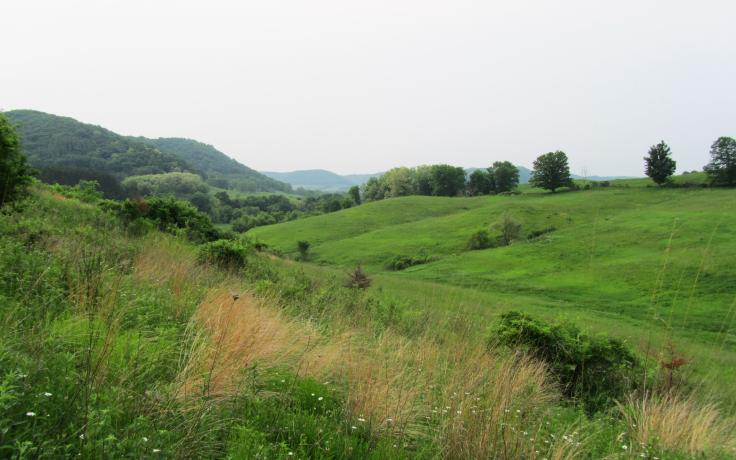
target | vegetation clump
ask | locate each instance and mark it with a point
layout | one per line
(15, 175)
(303, 247)
(510, 229)
(169, 215)
(402, 262)
(722, 166)
(480, 240)
(358, 279)
(595, 371)
(226, 254)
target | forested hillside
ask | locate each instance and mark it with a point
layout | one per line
(221, 170)
(66, 150)
(54, 141)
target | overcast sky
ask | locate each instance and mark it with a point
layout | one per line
(365, 86)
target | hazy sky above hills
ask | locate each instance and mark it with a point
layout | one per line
(365, 86)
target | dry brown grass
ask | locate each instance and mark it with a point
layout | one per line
(233, 335)
(677, 423)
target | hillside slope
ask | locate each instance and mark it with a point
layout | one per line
(608, 250)
(54, 141)
(221, 170)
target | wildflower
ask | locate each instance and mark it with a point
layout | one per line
(31, 414)
(354, 427)
(291, 454)
(624, 447)
(459, 412)
(47, 394)
(155, 451)
(81, 436)
(320, 398)
(145, 439)
(361, 419)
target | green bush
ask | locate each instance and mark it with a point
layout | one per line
(480, 240)
(173, 216)
(398, 263)
(15, 175)
(595, 371)
(227, 254)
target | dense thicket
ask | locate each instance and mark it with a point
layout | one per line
(14, 172)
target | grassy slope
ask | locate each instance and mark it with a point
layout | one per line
(630, 261)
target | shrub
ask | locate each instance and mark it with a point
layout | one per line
(358, 279)
(173, 216)
(534, 234)
(226, 254)
(480, 240)
(593, 370)
(510, 229)
(303, 248)
(399, 262)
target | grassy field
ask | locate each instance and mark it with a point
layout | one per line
(120, 341)
(644, 263)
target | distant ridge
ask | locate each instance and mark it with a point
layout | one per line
(320, 179)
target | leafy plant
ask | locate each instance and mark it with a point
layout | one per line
(227, 254)
(480, 240)
(358, 279)
(593, 370)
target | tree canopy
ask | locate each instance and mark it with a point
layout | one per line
(14, 172)
(551, 171)
(659, 164)
(722, 167)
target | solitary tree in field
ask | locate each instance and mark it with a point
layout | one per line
(551, 171)
(505, 176)
(722, 167)
(14, 172)
(659, 164)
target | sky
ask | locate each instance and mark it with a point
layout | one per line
(364, 86)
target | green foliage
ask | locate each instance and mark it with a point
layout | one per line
(178, 184)
(480, 182)
(505, 176)
(71, 176)
(434, 180)
(659, 164)
(480, 240)
(510, 229)
(15, 175)
(226, 254)
(303, 248)
(722, 166)
(49, 140)
(551, 171)
(171, 215)
(399, 262)
(354, 194)
(219, 169)
(596, 371)
(86, 191)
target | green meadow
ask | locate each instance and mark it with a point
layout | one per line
(656, 266)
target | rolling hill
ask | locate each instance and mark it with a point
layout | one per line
(629, 259)
(221, 170)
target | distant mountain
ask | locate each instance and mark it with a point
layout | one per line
(320, 179)
(66, 150)
(220, 170)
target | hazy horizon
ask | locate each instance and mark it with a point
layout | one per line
(361, 88)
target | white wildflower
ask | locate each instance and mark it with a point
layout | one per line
(31, 414)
